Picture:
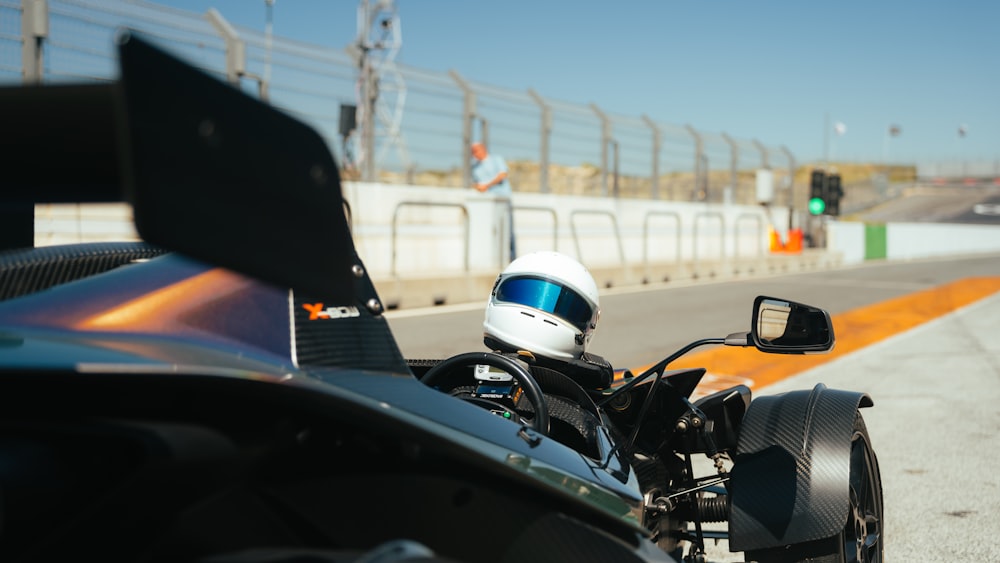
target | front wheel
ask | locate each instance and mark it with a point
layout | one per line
(861, 539)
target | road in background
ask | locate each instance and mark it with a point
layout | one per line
(953, 204)
(642, 326)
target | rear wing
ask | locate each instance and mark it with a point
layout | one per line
(209, 171)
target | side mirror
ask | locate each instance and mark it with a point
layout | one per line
(784, 327)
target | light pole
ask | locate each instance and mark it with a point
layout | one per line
(826, 139)
(962, 130)
(839, 129)
(891, 131)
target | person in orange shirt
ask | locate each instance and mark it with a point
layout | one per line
(489, 175)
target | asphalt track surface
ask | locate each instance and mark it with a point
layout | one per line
(979, 204)
(920, 337)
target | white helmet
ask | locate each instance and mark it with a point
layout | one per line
(545, 303)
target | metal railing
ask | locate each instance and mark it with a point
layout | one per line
(758, 235)
(600, 213)
(646, 232)
(548, 211)
(743, 233)
(695, 238)
(394, 233)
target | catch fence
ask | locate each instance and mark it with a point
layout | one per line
(422, 121)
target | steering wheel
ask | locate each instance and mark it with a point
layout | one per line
(531, 388)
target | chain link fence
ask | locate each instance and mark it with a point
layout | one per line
(427, 119)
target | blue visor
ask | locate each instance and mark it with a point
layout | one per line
(547, 296)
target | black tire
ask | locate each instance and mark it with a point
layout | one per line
(861, 539)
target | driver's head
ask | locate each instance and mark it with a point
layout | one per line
(545, 303)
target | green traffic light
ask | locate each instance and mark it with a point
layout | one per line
(817, 206)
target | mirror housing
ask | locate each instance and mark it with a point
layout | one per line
(780, 326)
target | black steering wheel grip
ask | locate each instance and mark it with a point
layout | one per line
(517, 370)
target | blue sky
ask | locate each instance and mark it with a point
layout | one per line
(783, 72)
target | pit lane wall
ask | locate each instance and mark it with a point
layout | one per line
(428, 246)
(858, 242)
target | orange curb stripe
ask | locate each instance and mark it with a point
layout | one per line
(853, 330)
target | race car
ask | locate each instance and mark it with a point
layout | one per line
(228, 390)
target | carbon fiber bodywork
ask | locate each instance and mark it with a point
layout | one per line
(789, 482)
(363, 338)
(30, 270)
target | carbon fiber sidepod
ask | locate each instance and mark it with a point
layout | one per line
(792, 466)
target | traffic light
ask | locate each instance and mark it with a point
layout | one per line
(834, 192)
(817, 192)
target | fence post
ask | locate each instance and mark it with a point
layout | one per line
(543, 156)
(605, 141)
(17, 220)
(468, 115)
(734, 164)
(34, 31)
(699, 154)
(236, 53)
(614, 169)
(657, 142)
(791, 185)
(484, 131)
(764, 161)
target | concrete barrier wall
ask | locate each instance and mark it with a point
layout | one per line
(404, 230)
(908, 241)
(429, 245)
(426, 245)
